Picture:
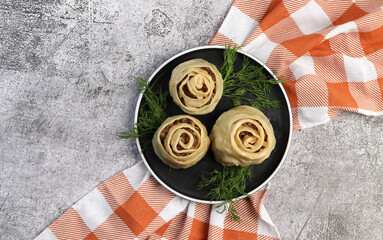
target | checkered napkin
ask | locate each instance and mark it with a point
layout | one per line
(133, 205)
(330, 51)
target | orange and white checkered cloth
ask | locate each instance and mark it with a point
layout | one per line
(133, 205)
(330, 51)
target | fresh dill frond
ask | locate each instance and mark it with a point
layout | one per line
(227, 185)
(229, 57)
(151, 114)
(250, 85)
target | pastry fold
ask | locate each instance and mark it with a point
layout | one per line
(196, 86)
(181, 141)
(242, 136)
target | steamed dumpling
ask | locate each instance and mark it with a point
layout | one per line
(181, 141)
(242, 136)
(196, 86)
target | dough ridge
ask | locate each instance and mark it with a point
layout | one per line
(181, 141)
(242, 136)
(196, 86)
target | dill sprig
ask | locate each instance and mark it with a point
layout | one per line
(227, 185)
(250, 85)
(229, 57)
(151, 114)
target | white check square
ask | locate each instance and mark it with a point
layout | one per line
(244, 26)
(93, 209)
(302, 66)
(312, 116)
(46, 235)
(261, 47)
(359, 69)
(311, 18)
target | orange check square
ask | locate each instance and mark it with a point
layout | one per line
(233, 234)
(339, 95)
(372, 41)
(291, 92)
(322, 50)
(380, 83)
(199, 230)
(136, 213)
(352, 13)
(91, 236)
(274, 14)
(299, 46)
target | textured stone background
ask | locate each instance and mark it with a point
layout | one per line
(66, 92)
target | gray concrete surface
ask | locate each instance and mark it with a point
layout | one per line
(66, 92)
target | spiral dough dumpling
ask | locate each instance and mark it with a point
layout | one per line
(196, 86)
(181, 141)
(242, 136)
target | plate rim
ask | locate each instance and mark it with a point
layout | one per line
(208, 201)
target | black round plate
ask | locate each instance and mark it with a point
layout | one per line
(184, 181)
